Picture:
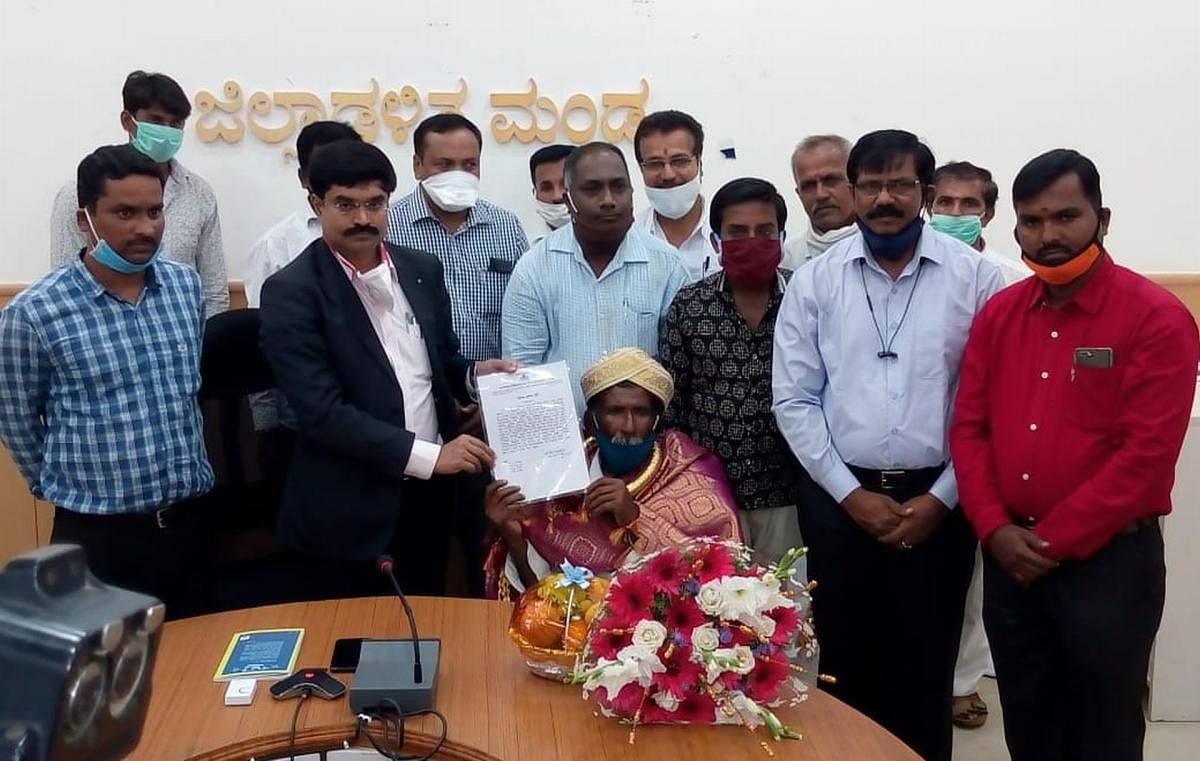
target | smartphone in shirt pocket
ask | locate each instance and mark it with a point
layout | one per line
(1094, 389)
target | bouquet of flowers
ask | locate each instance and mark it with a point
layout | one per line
(701, 634)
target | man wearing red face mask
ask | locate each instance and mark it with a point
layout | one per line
(1074, 395)
(717, 344)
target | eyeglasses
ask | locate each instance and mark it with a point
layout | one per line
(678, 163)
(374, 206)
(872, 188)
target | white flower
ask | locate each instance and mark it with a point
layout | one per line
(666, 701)
(705, 638)
(744, 659)
(649, 634)
(746, 708)
(772, 597)
(646, 663)
(611, 675)
(763, 626)
(743, 597)
(711, 598)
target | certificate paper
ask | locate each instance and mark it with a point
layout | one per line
(530, 421)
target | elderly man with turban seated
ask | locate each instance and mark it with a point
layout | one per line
(650, 489)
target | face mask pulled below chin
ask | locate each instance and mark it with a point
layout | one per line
(452, 191)
(895, 245)
(159, 142)
(966, 227)
(676, 202)
(108, 256)
(1070, 270)
(555, 215)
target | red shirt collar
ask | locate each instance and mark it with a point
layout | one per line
(1091, 297)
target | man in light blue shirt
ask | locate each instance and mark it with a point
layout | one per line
(596, 285)
(867, 349)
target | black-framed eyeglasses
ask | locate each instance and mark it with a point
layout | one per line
(872, 188)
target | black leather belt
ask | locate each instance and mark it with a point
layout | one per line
(916, 481)
(165, 517)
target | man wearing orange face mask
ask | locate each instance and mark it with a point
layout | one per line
(1074, 395)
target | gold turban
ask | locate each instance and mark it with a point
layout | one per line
(629, 364)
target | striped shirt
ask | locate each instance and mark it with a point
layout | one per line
(478, 259)
(98, 396)
(557, 309)
(192, 235)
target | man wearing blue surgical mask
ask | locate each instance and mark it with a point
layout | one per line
(669, 146)
(100, 366)
(962, 204)
(155, 111)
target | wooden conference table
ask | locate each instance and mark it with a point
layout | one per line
(495, 708)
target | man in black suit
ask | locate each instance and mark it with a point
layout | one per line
(359, 337)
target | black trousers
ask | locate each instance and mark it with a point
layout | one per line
(418, 546)
(132, 551)
(1072, 650)
(888, 621)
(470, 525)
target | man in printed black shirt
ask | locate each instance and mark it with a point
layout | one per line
(717, 344)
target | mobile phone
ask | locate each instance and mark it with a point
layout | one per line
(345, 655)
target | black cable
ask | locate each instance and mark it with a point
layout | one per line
(399, 718)
(295, 717)
(885, 351)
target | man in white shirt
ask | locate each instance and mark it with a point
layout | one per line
(669, 146)
(963, 202)
(287, 238)
(819, 167)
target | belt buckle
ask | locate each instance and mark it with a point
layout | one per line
(159, 515)
(886, 479)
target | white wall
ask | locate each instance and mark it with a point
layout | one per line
(994, 83)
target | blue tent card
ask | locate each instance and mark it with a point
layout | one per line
(260, 653)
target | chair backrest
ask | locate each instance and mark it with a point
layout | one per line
(231, 364)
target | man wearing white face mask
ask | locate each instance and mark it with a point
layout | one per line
(668, 146)
(155, 110)
(549, 192)
(477, 242)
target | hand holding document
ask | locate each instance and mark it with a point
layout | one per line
(529, 416)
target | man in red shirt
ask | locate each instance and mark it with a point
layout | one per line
(1074, 396)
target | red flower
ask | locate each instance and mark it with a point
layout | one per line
(713, 562)
(631, 596)
(653, 713)
(787, 623)
(682, 615)
(697, 708)
(666, 571)
(681, 674)
(762, 684)
(627, 700)
(607, 642)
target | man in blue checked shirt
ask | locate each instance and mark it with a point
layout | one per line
(595, 286)
(99, 369)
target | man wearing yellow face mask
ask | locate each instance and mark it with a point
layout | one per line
(155, 110)
(1074, 395)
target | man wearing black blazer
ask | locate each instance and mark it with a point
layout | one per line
(358, 334)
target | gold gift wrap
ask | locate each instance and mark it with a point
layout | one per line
(540, 628)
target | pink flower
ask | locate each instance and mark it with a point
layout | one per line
(762, 684)
(666, 571)
(682, 615)
(697, 708)
(631, 596)
(787, 622)
(681, 674)
(713, 562)
(628, 699)
(606, 642)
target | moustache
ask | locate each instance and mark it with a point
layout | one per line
(628, 441)
(361, 229)
(142, 240)
(880, 212)
(1052, 248)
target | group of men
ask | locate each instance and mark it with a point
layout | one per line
(871, 389)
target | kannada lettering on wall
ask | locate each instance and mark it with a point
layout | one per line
(277, 116)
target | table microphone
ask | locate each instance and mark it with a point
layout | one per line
(385, 565)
